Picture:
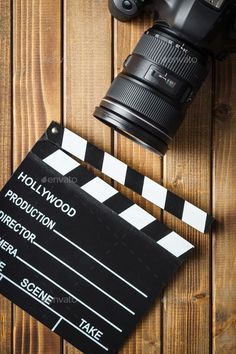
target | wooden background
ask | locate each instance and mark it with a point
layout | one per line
(57, 60)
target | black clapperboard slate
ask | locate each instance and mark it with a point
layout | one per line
(76, 254)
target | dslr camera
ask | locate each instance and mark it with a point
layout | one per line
(147, 101)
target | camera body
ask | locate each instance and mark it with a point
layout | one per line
(148, 99)
(209, 25)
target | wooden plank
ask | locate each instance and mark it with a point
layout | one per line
(5, 149)
(37, 61)
(87, 72)
(187, 173)
(147, 338)
(224, 206)
(87, 69)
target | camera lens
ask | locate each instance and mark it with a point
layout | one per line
(148, 99)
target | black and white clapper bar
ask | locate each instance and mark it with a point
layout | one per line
(75, 253)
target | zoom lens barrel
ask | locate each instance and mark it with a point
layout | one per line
(148, 99)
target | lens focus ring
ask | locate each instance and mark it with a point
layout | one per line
(169, 54)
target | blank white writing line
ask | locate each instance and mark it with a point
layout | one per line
(66, 291)
(100, 263)
(49, 308)
(84, 278)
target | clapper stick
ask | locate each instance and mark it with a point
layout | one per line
(125, 175)
(108, 195)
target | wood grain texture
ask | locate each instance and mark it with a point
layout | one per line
(36, 71)
(224, 206)
(197, 313)
(5, 148)
(147, 338)
(186, 318)
(87, 66)
(87, 72)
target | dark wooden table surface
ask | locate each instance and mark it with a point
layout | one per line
(57, 60)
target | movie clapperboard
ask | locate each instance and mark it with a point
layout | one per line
(75, 253)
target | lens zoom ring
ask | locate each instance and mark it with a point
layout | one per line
(170, 57)
(151, 106)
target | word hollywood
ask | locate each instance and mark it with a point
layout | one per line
(46, 194)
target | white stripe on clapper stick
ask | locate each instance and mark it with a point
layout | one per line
(175, 244)
(74, 144)
(60, 162)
